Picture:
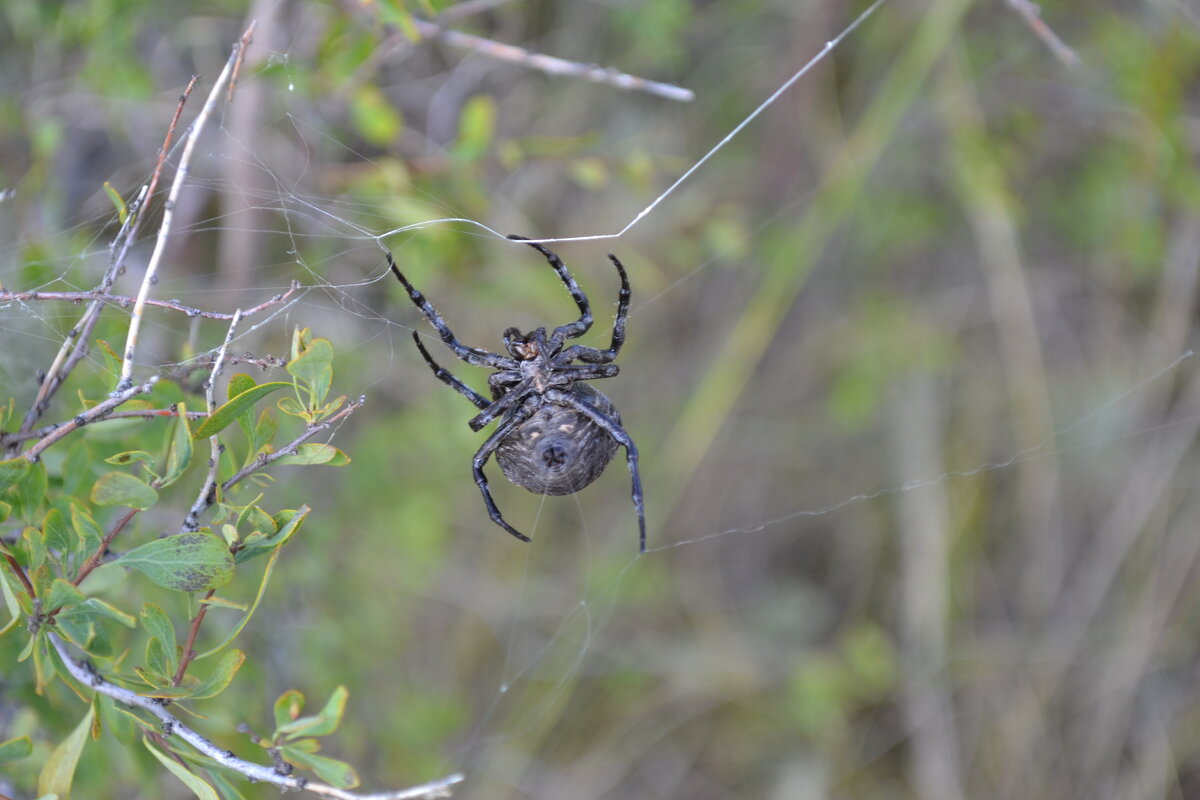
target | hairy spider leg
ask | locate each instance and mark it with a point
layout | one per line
(593, 355)
(445, 376)
(622, 438)
(472, 355)
(579, 327)
(501, 404)
(485, 452)
(567, 374)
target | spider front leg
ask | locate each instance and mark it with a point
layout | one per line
(447, 378)
(472, 355)
(523, 413)
(593, 355)
(622, 438)
(581, 326)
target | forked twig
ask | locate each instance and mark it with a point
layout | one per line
(172, 727)
(93, 414)
(164, 229)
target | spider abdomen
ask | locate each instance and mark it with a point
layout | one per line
(559, 450)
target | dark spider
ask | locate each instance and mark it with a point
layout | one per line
(556, 435)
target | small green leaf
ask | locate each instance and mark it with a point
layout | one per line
(130, 457)
(30, 493)
(11, 603)
(5, 510)
(158, 625)
(117, 201)
(221, 676)
(186, 562)
(292, 407)
(288, 707)
(374, 116)
(199, 787)
(56, 533)
(476, 128)
(86, 529)
(314, 368)
(122, 489)
(324, 723)
(14, 749)
(62, 595)
(334, 772)
(228, 413)
(312, 453)
(35, 546)
(109, 610)
(288, 523)
(59, 770)
(179, 455)
(12, 470)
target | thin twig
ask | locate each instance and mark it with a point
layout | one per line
(552, 65)
(164, 229)
(189, 648)
(21, 576)
(173, 727)
(309, 432)
(1032, 14)
(98, 296)
(206, 498)
(93, 414)
(94, 560)
(145, 413)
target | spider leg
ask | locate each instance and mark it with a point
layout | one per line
(622, 438)
(445, 377)
(569, 373)
(485, 452)
(580, 326)
(500, 405)
(593, 355)
(472, 355)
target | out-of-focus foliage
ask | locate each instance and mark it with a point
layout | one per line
(927, 528)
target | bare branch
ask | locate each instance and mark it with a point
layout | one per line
(172, 727)
(144, 413)
(164, 229)
(99, 296)
(552, 65)
(93, 414)
(1032, 14)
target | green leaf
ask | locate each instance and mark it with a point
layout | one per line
(179, 455)
(228, 413)
(186, 562)
(292, 407)
(86, 529)
(476, 128)
(314, 368)
(14, 749)
(158, 625)
(221, 676)
(59, 770)
(10, 602)
(375, 118)
(199, 787)
(324, 723)
(288, 521)
(12, 470)
(35, 546)
(121, 489)
(102, 608)
(309, 454)
(56, 533)
(334, 772)
(30, 493)
(63, 595)
(130, 457)
(288, 707)
(5, 510)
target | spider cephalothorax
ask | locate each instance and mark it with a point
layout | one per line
(556, 434)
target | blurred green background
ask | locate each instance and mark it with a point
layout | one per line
(921, 525)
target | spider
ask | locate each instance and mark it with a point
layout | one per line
(556, 433)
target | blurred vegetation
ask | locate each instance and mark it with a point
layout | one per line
(920, 521)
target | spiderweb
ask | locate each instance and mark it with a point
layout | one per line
(915, 443)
